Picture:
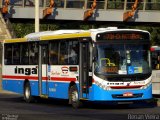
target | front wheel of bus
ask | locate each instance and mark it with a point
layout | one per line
(27, 93)
(73, 97)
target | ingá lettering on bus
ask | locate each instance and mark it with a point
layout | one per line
(26, 71)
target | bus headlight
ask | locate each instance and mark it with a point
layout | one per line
(106, 87)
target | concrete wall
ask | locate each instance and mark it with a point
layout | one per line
(77, 14)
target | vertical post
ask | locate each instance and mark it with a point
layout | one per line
(65, 4)
(0, 3)
(105, 4)
(144, 5)
(36, 15)
(125, 5)
(85, 4)
(44, 3)
(23, 3)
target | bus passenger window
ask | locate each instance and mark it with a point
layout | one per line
(73, 52)
(63, 58)
(8, 54)
(33, 54)
(16, 54)
(24, 54)
(69, 52)
(53, 53)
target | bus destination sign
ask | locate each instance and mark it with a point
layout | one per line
(121, 36)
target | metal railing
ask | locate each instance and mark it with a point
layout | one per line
(86, 4)
(153, 6)
(115, 5)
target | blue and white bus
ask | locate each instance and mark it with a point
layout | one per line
(105, 64)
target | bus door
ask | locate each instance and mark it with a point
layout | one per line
(84, 69)
(43, 69)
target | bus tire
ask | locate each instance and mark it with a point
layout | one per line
(27, 93)
(73, 97)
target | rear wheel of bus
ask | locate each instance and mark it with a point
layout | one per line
(73, 97)
(27, 93)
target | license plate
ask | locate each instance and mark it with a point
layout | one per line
(128, 94)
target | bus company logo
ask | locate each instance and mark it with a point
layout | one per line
(26, 71)
(65, 70)
(128, 84)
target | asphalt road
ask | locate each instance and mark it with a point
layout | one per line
(13, 107)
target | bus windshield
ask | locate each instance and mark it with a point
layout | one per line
(122, 59)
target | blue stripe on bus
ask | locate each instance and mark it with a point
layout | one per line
(56, 89)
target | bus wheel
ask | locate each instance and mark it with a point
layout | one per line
(73, 97)
(27, 93)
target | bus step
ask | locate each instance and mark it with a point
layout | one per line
(83, 99)
(44, 96)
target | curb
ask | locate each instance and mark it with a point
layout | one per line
(6, 92)
(158, 102)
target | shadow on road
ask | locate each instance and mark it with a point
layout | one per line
(91, 105)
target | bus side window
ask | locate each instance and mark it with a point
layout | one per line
(53, 53)
(16, 54)
(8, 54)
(63, 58)
(73, 56)
(69, 52)
(33, 53)
(24, 54)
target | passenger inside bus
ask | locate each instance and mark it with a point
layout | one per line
(73, 56)
(53, 57)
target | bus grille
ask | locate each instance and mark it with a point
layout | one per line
(121, 96)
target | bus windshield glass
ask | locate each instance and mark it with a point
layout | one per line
(122, 59)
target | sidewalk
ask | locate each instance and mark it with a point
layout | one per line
(158, 102)
(6, 92)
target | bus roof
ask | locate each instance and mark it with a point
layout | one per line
(51, 35)
(62, 34)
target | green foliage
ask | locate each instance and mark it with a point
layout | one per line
(46, 27)
(22, 29)
(154, 31)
